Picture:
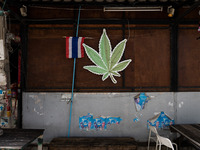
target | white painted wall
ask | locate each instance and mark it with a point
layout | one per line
(50, 111)
(188, 107)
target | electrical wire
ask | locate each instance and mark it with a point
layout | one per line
(70, 9)
(74, 68)
(4, 4)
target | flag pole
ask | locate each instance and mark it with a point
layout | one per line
(74, 68)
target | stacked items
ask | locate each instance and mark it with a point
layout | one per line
(8, 105)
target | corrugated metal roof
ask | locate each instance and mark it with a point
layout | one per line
(106, 2)
(139, 1)
(110, 0)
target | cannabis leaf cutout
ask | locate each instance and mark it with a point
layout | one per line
(107, 61)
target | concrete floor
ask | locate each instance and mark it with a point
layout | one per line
(45, 147)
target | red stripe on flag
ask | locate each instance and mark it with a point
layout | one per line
(67, 47)
(19, 68)
(82, 48)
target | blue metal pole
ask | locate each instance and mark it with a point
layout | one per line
(74, 71)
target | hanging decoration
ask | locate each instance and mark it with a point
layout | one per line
(140, 101)
(107, 61)
(160, 121)
(74, 47)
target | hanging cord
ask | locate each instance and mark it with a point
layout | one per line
(128, 30)
(4, 5)
(72, 96)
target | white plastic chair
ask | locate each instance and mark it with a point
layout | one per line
(166, 142)
(154, 137)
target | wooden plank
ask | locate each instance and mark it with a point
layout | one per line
(191, 132)
(150, 64)
(188, 59)
(18, 138)
(93, 143)
(49, 69)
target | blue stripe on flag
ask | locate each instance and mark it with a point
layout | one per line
(75, 47)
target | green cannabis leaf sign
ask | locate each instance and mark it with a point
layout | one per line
(107, 61)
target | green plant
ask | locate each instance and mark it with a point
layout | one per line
(107, 61)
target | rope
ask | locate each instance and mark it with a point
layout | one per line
(4, 5)
(74, 68)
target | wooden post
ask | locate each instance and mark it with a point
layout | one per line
(4, 63)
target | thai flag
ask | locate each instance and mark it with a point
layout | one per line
(74, 47)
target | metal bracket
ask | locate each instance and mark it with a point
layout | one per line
(68, 100)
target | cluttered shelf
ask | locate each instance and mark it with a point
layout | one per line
(8, 106)
(20, 138)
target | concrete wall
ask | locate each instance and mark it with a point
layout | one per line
(188, 104)
(50, 111)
